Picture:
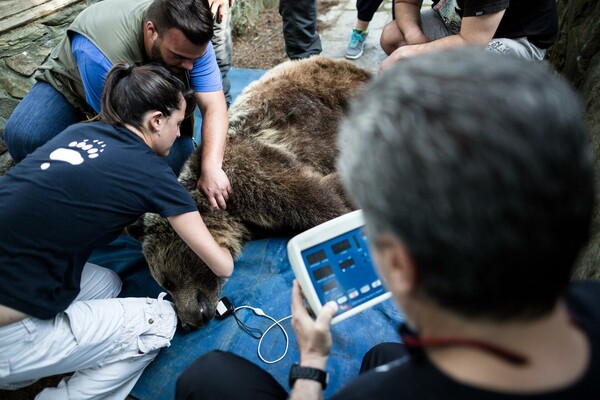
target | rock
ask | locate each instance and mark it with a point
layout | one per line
(576, 55)
(26, 62)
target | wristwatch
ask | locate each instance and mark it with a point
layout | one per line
(314, 374)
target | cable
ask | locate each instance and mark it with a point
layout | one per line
(287, 339)
(255, 331)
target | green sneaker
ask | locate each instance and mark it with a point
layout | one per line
(356, 43)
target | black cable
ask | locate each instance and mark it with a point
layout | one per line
(254, 332)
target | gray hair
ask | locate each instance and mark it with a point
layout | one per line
(480, 164)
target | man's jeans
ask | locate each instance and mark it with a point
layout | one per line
(44, 113)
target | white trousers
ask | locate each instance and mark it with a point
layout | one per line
(107, 341)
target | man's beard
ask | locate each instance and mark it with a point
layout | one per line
(156, 56)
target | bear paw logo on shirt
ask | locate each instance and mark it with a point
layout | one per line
(75, 154)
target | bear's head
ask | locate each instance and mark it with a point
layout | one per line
(195, 289)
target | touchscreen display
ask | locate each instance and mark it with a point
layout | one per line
(341, 270)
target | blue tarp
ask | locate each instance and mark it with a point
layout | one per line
(262, 278)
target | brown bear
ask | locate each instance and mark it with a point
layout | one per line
(280, 159)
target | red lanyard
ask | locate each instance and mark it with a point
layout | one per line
(415, 343)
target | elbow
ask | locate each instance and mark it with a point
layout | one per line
(226, 271)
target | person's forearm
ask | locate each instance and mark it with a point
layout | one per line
(192, 230)
(436, 45)
(408, 18)
(305, 389)
(214, 134)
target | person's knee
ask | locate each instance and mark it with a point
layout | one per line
(106, 283)
(209, 367)
(381, 354)
(14, 138)
(391, 38)
(205, 366)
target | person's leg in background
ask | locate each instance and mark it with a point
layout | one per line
(220, 375)
(300, 28)
(366, 9)
(223, 45)
(42, 114)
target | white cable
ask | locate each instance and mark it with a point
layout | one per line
(248, 307)
(287, 339)
(261, 313)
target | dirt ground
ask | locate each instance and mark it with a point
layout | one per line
(260, 47)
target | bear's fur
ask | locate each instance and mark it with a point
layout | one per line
(280, 159)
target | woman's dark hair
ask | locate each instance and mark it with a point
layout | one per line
(192, 17)
(130, 92)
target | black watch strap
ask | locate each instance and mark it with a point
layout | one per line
(314, 374)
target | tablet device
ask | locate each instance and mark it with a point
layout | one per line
(332, 263)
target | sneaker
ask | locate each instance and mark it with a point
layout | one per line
(356, 44)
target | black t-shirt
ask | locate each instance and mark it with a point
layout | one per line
(535, 19)
(417, 378)
(74, 193)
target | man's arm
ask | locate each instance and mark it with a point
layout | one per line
(213, 181)
(474, 31)
(208, 92)
(408, 20)
(218, 8)
(93, 67)
(314, 342)
(191, 228)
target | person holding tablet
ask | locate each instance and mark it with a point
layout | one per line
(477, 198)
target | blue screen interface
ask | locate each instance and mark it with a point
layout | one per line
(341, 270)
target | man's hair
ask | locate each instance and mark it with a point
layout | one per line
(192, 17)
(131, 92)
(480, 164)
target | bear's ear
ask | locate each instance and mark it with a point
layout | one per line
(136, 230)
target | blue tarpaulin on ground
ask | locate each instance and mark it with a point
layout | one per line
(262, 278)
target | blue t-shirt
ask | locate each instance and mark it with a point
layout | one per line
(78, 191)
(94, 66)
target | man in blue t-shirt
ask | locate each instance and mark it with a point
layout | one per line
(176, 33)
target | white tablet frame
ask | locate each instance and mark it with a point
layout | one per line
(313, 237)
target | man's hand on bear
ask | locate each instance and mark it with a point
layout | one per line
(215, 185)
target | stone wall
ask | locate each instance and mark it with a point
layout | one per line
(576, 55)
(22, 50)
